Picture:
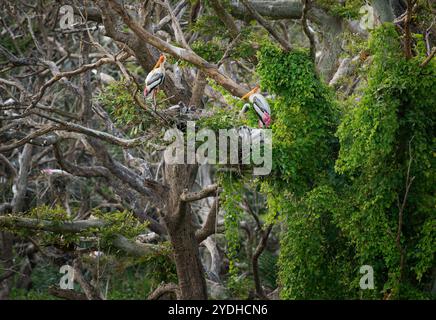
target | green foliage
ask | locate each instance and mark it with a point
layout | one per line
(229, 201)
(134, 278)
(220, 118)
(130, 284)
(211, 51)
(338, 184)
(119, 223)
(43, 276)
(227, 117)
(16, 45)
(119, 100)
(387, 133)
(268, 268)
(338, 221)
(313, 260)
(209, 25)
(349, 9)
(304, 118)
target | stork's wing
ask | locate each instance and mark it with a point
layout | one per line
(154, 79)
(260, 102)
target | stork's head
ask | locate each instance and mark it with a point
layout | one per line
(248, 94)
(161, 61)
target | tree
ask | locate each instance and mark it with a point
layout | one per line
(82, 163)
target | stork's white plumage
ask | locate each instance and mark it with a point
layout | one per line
(155, 78)
(260, 105)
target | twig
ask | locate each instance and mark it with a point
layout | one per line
(204, 193)
(307, 5)
(407, 32)
(210, 223)
(428, 59)
(285, 44)
(409, 181)
(164, 289)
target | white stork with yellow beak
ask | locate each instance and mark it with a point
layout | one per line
(155, 78)
(260, 105)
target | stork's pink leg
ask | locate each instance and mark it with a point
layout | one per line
(154, 99)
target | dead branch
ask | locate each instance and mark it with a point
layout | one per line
(407, 32)
(66, 74)
(225, 17)
(181, 53)
(255, 261)
(262, 21)
(164, 289)
(428, 59)
(77, 226)
(210, 223)
(89, 290)
(66, 294)
(204, 193)
(307, 4)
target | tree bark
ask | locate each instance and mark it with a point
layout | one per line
(190, 272)
(178, 219)
(384, 10)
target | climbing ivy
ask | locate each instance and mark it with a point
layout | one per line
(387, 144)
(230, 199)
(342, 176)
(301, 187)
(118, 98)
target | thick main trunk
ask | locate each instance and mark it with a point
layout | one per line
(17, 204)
(6, 256)
(190, 272)
(178, 219)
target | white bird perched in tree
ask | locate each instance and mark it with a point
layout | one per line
(155, 78)
(260, 105)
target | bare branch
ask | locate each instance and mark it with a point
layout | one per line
(285, 45)
(225, 17)
(428, 59)
(177, 52)
(16, 222)
(20, 185)
(210, 223)
(198, 89)
(90, 292)
(306, 7)
(119, 241)
(66, 294)
(94, 171)
(255, 261)
(8, 165)
(204, 193)
(66, 74)
(407, 32)
(180, 37)
(154, 190)
(164, 289)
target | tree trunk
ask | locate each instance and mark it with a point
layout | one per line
(190, 270)
(178, 219)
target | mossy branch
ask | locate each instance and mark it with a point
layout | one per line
(79, 226)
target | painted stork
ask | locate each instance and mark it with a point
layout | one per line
(155, 78)
(260, 105)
